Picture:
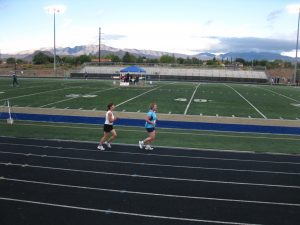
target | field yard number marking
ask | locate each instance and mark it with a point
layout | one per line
(297, 105)
(201, 100)
(71, 98)
(79, 95)
(187, 107)
(195, 100)
(180, 99)
(247, 101)
(89, 96)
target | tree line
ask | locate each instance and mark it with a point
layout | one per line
(42, 58)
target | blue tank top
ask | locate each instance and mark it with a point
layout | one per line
(153, 117)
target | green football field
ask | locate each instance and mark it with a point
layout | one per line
(207, 99)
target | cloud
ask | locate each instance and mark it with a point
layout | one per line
(246, 44)
(113, 37)
(55, 8)
(255, 44)
(209, 22)
(274, 15)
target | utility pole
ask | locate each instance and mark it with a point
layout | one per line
(296, 63)
(99, 45)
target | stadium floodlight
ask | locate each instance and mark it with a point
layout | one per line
(55, 9)
(54, 51)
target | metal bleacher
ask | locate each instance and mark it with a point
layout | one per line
(189, 74)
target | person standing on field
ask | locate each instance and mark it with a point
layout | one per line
(108, 128)
(15, 79)
(150, 127)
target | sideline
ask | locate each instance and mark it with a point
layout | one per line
(268, 128)
(165, 131)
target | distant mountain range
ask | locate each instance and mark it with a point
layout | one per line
(105, 50)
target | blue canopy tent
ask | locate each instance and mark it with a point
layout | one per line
(131, 71)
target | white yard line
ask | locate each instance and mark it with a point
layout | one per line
(247, 101)
(279, 94)
(76, 97)
(42, 92)
(121, 213)
(187, 107)
(142, 94)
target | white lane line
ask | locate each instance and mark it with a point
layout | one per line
(143, 94)
(247, 101)
(279, 94)
(64, 100)
(42, 92)
(149, 193)
(121, 213)
(149, 177)
(149, 164)
(188, 105)
(162, 155)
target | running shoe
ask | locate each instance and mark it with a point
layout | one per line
(141, 144)
(101, 148)
(148, 147)
(108, 144)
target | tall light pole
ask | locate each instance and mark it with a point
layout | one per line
(54, 9)
(295, 72)
(54, 51)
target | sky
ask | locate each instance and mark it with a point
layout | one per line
(177, 26)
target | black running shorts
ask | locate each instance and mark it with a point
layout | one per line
(149, 130)
(107, 128)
